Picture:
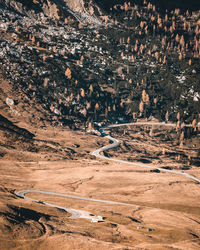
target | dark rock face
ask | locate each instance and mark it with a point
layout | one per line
(162, 4)
(181, 4)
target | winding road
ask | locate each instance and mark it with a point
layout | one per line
(115, 143)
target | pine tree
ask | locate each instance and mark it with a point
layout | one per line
(167, 116)
(178, 116)
(68, 73)
(82, 92)
(45, 84)
(141, 107)
(194, 124)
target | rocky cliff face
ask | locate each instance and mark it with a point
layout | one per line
(75, 5)
(52, 8)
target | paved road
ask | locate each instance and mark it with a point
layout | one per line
(75, 213)
(115, 143)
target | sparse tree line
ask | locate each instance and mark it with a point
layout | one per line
(148, 50)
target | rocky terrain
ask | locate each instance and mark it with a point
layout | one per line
(69, 67)
(132, 61)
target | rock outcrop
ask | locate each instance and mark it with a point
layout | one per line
(75, 5)
(52, 8)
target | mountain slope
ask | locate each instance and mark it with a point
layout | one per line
(81, 66)
(57, 9)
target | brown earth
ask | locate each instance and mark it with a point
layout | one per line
(37, 156)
